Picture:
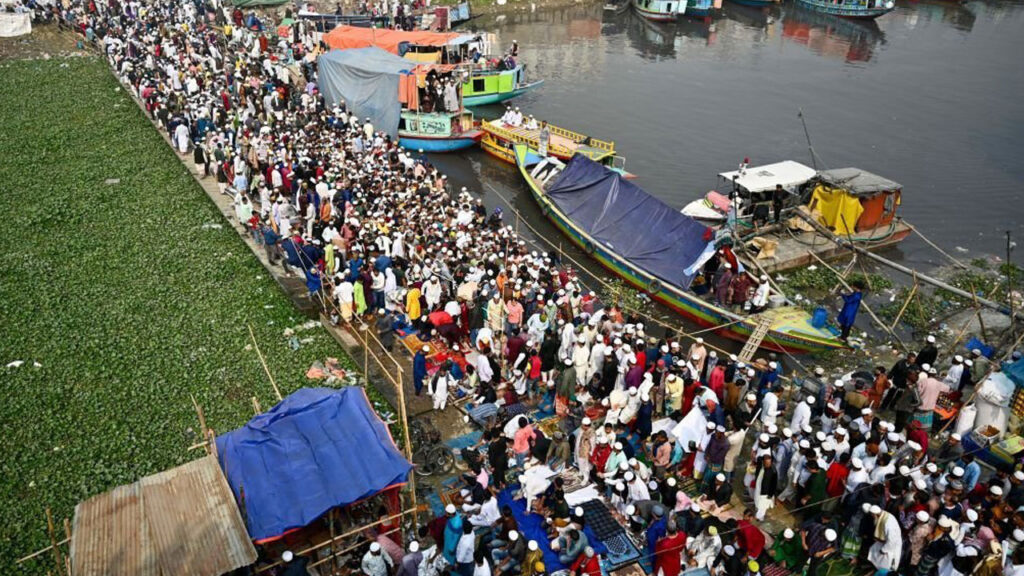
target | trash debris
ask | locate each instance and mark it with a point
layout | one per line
(267, 306)
(962, 250)
(15, 364)
(812, 267)
(37, 365)
(331, 370)
(293, 342)
(110, 181)
(212, 225)
(307, 340)
(288, 332)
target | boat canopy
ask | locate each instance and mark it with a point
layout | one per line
(640, 228)
(858, 182)
(347, 37)
(761, 178)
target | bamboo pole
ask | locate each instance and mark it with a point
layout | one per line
(264, 363)
(58, 559)
(865, 304)
(351, 532)
(202, 425)
(903, 309)
(256, 406)
(67, 537)
(933, 245)
(910, 272)
(43, 551)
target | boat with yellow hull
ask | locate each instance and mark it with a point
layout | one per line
(499, 139)
(647, 244)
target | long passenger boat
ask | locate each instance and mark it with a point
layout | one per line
(499, 138)
(653, 247)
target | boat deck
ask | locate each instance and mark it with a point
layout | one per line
(562, 142)
(794, 249)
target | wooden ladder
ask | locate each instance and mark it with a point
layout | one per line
(764, 322)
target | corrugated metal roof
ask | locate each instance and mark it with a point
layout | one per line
(858, 182)
(180, 521)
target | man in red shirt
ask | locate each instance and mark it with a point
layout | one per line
(668, 551)
(588, 564)
(836, 476)
(750, 536)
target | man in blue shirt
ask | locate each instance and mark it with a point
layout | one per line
(971, 472)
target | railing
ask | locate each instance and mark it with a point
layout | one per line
(556, 149)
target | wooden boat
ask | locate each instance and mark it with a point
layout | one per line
(865, 9)
(499, 138)
(652, 247)
(484, 82)
(849, 203)
(660, 10)
(484, 86)
(749, 187)
(438, 132)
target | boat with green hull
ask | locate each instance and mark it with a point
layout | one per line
(654, 248)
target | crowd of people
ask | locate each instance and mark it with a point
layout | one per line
(380, 237)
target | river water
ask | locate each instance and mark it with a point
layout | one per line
(930, 95)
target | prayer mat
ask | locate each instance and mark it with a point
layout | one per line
(533, 527)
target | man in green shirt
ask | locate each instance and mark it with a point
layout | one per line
(787, 550)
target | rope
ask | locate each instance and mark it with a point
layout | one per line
(676, 329)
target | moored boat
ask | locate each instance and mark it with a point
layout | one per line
(866, 9)
(485, 80)
(439, 131)
(420, 104)
(653, 247)
(660, 10)
(849, 203)
(500, 137)
(749, 188)
(614, 7)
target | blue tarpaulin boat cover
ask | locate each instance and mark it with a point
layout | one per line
(317, 449)
(617, 213)
(367, 80)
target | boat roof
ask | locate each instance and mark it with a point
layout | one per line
(347, 37)
(858, 182)
(760, 178)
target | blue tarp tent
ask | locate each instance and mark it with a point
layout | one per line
(317, 449)
(1015, 371)
(367, 80)
(619, 214)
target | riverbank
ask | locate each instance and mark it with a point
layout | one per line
(124, 296)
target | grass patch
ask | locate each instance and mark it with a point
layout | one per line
(128, 303)
(821, 280)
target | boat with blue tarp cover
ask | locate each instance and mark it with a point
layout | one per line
(653, 247)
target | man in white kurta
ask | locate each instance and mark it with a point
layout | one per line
(885, 552)
(801, 414)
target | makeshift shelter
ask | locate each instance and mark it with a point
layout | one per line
(852, 200)
(180, 521)
(318, 449)
(394, 41)
(368, 80)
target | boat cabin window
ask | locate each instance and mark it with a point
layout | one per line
(890, 203)
(479, 85)
(668, 7)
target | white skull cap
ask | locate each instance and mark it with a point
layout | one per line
(532, 545)
(414, 546)
(513, 535)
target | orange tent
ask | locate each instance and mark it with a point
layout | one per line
(346, 37)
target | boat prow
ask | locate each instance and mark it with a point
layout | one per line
(790, 327)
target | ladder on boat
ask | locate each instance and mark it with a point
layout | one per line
(764, 323)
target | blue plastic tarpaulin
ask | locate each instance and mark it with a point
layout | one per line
(367, 80)
(1015, 371)
(317, 449)
(617, 213)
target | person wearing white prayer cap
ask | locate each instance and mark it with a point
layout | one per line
(375, 563)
